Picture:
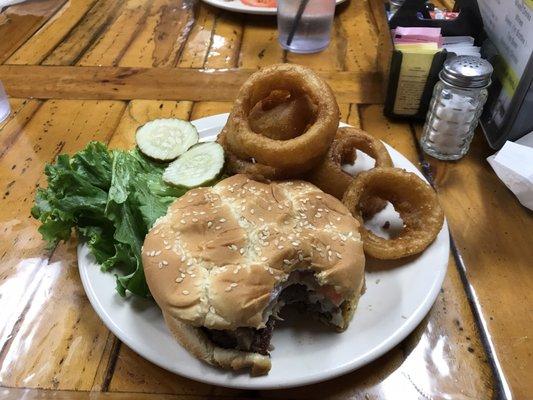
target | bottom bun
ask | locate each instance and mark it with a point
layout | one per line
(350, 305)
(197, 343)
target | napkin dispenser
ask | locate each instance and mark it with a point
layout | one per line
(410, 87)
(509, 47)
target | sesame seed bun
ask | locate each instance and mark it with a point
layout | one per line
(214, 259)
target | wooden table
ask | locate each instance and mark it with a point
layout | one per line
(81, 70)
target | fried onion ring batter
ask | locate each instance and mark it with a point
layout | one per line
(280, 116)
(301, 151)
(253, 169)
(329, 175)
(413, 199)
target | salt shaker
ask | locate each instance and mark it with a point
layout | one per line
(455, 107)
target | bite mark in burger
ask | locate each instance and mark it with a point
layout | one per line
(225, 259)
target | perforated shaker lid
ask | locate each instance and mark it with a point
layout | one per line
(467, 72)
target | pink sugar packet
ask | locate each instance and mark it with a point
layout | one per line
(417, 35)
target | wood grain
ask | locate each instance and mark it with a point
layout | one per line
(86, 31)
(134, 374)
(38, 287)
(225, 41)
(161, 37)
(160, 83)
(207, 108)
(490, 228)
(398, 135)
(260, 45)
(31, 394)
(357, 24)
(350, 114)
(21, 112)
(21, 21)
(384, 46)
(109, 47)
(198, 42)
(51, 349)
(41, 44)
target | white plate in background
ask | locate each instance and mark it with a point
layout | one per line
(238, 6)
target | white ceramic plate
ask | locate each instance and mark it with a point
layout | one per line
(304, 352)
(238, 6)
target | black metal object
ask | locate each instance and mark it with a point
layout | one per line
(296, 22)
(468, 23)
(433, 77)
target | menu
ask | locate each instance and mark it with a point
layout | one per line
(509, 25)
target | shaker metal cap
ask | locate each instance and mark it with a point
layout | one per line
(467, 72)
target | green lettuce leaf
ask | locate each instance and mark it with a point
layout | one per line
(112, 198)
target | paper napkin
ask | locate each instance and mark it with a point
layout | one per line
(514, 166)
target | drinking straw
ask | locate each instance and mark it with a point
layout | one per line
(296, 22)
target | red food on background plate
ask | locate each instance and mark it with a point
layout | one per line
(260, 3)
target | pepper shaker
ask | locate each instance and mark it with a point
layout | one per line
(455, 107)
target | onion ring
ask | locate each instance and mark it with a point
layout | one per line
(280, 116)
(413, 199)
(254, 170)
(235, 165)
(329, 175)
(287, 154)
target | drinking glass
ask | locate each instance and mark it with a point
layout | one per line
(5, 110)
(304, 26)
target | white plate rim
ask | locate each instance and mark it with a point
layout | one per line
(237, 6)
(216, 122)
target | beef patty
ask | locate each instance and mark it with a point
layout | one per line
(258, 340)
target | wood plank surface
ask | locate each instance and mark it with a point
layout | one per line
(492, 232)
(110, 46)
(22, 111)
(40, 346)
(21, 21)
(43, 42)
(34, 394)
(51, 349)
(225, 41)
(357, 25)
(260, 46)
(86, 31)
(161, 37)
(196, 47)
(183, 58)
(160, 83)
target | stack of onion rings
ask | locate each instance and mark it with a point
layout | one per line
(300, 153)
(413, 199)
(284, 124)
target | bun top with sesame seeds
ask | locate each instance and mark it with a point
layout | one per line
(217, 255)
